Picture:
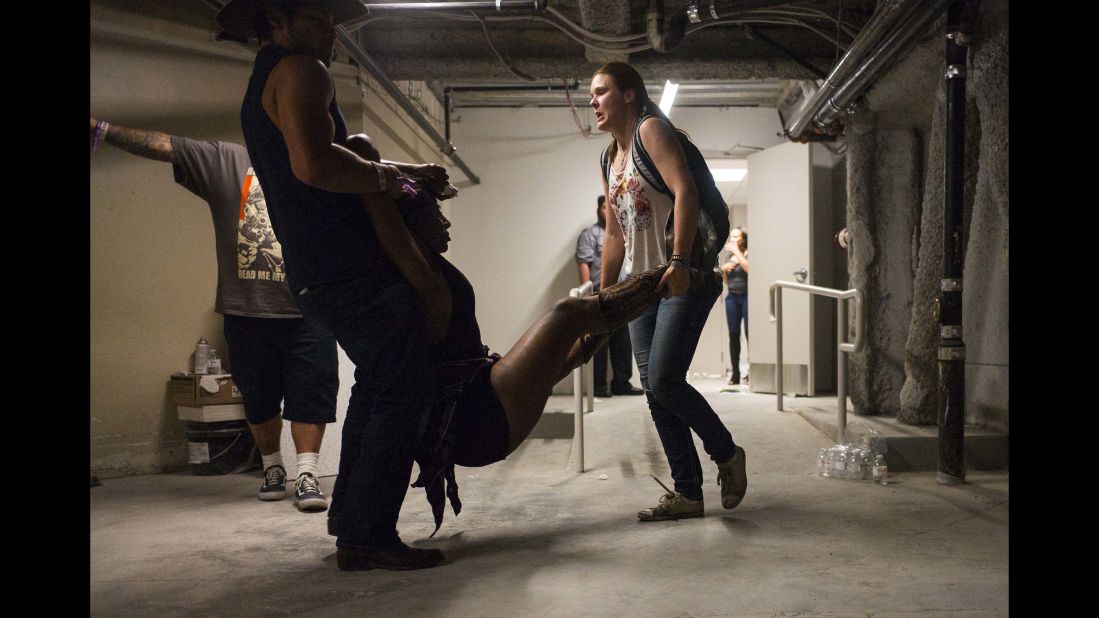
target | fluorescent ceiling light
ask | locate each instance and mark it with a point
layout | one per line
(729, 175)
(667, 97)
(728, 170)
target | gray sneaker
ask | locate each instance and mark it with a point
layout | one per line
(308, 495)
(274, 483)
(672, 505)
(733, 479)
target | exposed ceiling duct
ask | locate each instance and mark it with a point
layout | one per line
(739, 93)
(890, 33)
(568, 39)
(664, 36)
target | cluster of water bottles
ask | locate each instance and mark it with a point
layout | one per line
(859, 460)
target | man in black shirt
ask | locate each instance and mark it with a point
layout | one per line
(350, 260)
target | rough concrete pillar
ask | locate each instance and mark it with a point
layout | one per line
(985, 296)
(919, 394)
(985, 293)
(884, 169)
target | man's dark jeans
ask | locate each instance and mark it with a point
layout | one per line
(382, 330)
(620, 353)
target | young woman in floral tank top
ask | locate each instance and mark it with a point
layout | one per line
(664, 338)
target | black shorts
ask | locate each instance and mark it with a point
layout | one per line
(480, 424)
(272, 359)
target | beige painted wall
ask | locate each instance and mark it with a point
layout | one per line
(152, 266)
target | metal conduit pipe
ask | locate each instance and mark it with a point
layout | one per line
(572, 85)
(951, 391)
(664, 37)
(896, 44)
(581, 376)
(372, 67)
(888, 13)
(499, 5)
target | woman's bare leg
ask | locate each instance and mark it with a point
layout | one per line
(524, 377)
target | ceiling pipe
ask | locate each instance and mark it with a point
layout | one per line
(894, 46)
(664, 37)
(387, 84)
(884, 18)
(485, 5)
(498, 5)
(572, 85)
(894, 26)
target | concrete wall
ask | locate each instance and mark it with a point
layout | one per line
(885, 197)
(896, 147)
(985, 298)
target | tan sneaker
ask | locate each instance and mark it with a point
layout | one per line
(733, 479)
(672, 505)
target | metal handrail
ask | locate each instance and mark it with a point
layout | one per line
(585, 372)
(775, 292)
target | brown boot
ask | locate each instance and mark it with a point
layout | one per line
(628, 299)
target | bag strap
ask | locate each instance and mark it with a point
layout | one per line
(604, 161)
(713, 220)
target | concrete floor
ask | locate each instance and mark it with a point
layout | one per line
(537, 539)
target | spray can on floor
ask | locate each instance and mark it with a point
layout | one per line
(202, 348)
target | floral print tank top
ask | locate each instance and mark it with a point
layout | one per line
(643, 212)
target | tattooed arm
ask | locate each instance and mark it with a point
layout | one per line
(148, 144)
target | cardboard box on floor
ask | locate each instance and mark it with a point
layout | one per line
(216, 413)
(187, 389)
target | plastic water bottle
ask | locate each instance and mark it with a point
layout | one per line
(881, 470)
(836, 463)
(852, 461)
(822, 462)
(202, 348)
(213, 362)
(865, 467)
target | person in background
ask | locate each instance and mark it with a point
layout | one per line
(589, 260)
(275, 353)
(734, 270)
